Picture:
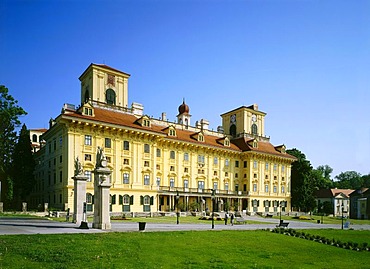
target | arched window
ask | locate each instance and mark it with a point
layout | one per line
(233, 130)
(110, 97)
(254, 129)
(87, 95)
(34, 138)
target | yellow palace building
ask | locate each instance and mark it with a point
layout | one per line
(158, 165)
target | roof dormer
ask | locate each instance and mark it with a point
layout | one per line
(171, 130)
(281, 148)
(144, 121)
(87, 110)
(198, 136)
(253, 143)
(224, 141)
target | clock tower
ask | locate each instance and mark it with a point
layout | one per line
(244, 120)
(104, 84)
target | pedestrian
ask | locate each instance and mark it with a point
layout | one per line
(232, 219)
(226, 217)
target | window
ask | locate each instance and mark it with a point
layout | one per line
(245, 164)
(60, 141)
(266, 177)
(201, 185)
(267, 166)
(88, 175)
(60, 158)
(126, 178)
(254, 129)
(158, 153)
(254, 187)
(226, 174)
(172, 182)
(215, 160)
(226, 162)
(275, 189)
(108, 142)
(126, 161)
(186, 156)
(226, 186)
(255, 164)
(146, 148)
(126, 145)
(283, 168)
(172, 154)
(88, 111)
(215, 185)
(158, 181)
(146, 123)
(275, 166)
(200, 158)
(186, 170)
(172, 132)
(87, 157)
(266, 188)
(236, 175)
(60, 176)
(109, 159)
(88, 140)
(110, 97)
(34, 138)
(186, 183)
(236, 187)
(146, 163)
(215, 173)
(172, 168)
(146, 180)
(158, 167)
(254, 175)
(55, 144)
(282, 189)
(200, 138)
(236, 163)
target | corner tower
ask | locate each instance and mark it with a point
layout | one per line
(244, 120)
(104, 84)
(184, 117)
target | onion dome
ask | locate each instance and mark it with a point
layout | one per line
(183, 108)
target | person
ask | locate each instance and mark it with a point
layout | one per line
(232, 219)
(226, 217)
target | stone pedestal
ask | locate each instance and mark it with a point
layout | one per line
(102, 186)
(1, 207)
(24, 207)
(79, 198)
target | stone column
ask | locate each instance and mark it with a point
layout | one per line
(79, 198)
(102, 184)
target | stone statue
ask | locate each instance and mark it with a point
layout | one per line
(101, 160)
(78, 167)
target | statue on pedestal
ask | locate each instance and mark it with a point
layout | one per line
(101, 160)
(78, 167)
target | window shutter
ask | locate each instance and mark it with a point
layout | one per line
(92, 199)
(131, 200)
(258, 203)
(113, 199)
(120, 200)
(152, 200)
(141, 199)
(269, 203)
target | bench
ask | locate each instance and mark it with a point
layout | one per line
(283, 224)
(268, 216)
(240, 220)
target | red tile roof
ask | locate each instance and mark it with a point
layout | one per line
(329, 193)
(130, 121)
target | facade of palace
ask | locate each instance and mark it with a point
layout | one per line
(157, 165)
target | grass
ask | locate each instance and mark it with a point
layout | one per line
(202, 249)
(326, 219)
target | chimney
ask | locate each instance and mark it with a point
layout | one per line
(164, 116)
(204, 124)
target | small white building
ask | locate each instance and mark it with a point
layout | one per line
(339, 198)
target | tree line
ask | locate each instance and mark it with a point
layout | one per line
(16, 160)
(306, 180)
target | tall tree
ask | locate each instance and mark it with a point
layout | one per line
(23, 167)
(349, 180)
(322, 177)
(9, 121)
(302, 182)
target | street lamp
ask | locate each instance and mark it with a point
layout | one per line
(322, 214)
(177, 205)
(280, 204)
(342, 214)
(213, 208)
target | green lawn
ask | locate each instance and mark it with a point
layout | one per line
(203, 249)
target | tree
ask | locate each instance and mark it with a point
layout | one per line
(366, 181)
(349, 180)
(23, 167)
(322, 177)
(302, 182)
(9, 121)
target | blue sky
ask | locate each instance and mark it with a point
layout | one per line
(305, 63)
